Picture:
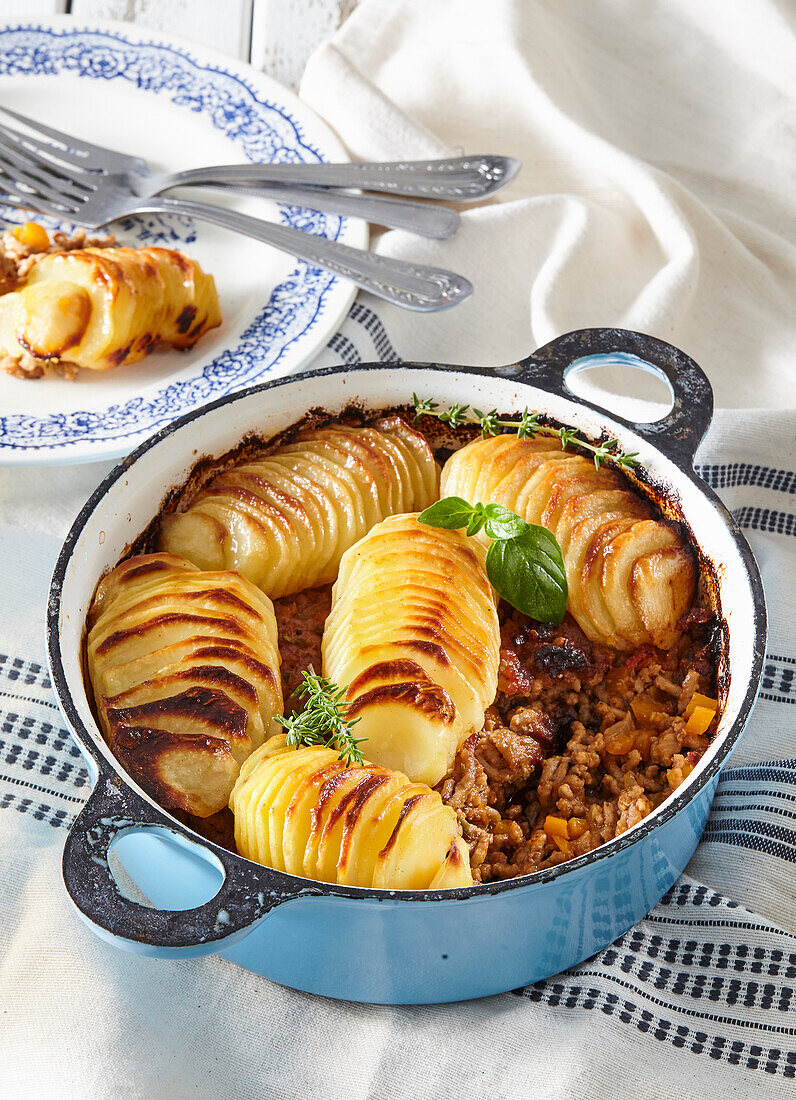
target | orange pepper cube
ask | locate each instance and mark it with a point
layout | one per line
(556, 826)
(620, 743)
(643, 708)
(576, 827)
(700, 701)
(700, 719)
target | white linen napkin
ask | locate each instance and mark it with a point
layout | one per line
(658, 183)
(655, 196)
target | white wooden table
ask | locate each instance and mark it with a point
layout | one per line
(277, 36)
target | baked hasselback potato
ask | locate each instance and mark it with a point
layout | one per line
(184, 666)
(414, 633)
(97, 308)
(285, 520)
(630, 576)
(302, 810)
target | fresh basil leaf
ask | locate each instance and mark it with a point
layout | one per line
(450, 513)
(502, 523)
(477, 520)
(528, 571)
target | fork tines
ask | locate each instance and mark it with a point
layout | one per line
(29, 179)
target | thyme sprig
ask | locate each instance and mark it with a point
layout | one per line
(322, 720)
(526, 427)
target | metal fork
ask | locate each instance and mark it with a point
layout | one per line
(95, 198)
(458, 179)
(421, 218)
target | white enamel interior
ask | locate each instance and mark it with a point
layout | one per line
(130, 504)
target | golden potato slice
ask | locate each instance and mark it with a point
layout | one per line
(533, 497)
(184, 666)
(619, 561)
(591, 580)
(598, 523)
(199, 538)
(662, 587)
(413, 634)
(100, 307)
(580, 541)
(423, 470)
(288, 519)
(46, 320)
(299, 818)
(304, 812)
(570, 485)
(193, 773)
(368, 826)
(600, 502)
(455, 871)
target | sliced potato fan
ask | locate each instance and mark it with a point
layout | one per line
(303, 811)
(414, 634)
(99, 307)
(285, 520)
(630, 576)
(185, 670)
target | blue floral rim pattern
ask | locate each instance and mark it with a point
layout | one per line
(264, 131)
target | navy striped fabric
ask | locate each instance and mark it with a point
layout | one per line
(700, 973)
(731, 474)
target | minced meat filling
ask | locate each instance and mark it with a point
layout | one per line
(300, 620)
(581, 735)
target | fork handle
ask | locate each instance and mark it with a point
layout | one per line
(462, 179)
(421, 218)
(413, 286)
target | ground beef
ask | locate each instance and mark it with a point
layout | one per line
(562, 740)
(300, 620)
(535, 656)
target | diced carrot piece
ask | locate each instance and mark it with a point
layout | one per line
(643, 708)
(620, 743)
(555, 826)
(33, 234)
(700, 701)
(577, 826)
(700, 719)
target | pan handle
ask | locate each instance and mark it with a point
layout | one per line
(680, 432)
(246, 895)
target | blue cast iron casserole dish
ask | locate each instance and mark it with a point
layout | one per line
(375, 945)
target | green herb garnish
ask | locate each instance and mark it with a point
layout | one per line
(526, 427)
(322, 720)
(524, 563)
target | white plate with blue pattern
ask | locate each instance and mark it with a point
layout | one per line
(178, 106)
